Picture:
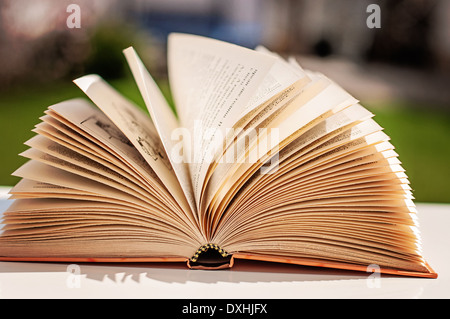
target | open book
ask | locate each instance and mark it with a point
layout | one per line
(263, 160)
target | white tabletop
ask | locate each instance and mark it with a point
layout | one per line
(253, 280)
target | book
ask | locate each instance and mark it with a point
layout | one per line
(261, 160)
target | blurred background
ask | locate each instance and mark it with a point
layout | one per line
(400, 71)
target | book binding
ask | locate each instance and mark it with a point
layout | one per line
(210, 256)
(204, 248)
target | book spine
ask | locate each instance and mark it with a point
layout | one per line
(204, 248)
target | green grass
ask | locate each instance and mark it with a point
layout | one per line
(420, 133)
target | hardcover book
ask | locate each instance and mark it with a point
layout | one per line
(260, 160)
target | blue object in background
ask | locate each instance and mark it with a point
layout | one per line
(161, 24)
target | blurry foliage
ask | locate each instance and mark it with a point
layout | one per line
(63, 55)
(106, 45)
(49, 58)
(56, 55)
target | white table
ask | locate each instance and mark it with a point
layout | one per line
(246, 280)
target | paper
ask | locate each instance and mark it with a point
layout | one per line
(212, 82)
(164, 121)
(137, 127)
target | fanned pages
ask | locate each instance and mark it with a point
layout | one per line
(265, 161)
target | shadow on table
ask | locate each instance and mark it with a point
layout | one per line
(242, 271)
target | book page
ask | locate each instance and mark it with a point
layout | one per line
(164, 120)
(321, 96)
(78, 125)
(211, 82)
(245, 131)
(298, 149)
(25, 207)
(331, 99)
(281, 76)
(31, 190)
(137, 127)
(77, 157)
(45, 173)
(73, 162)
